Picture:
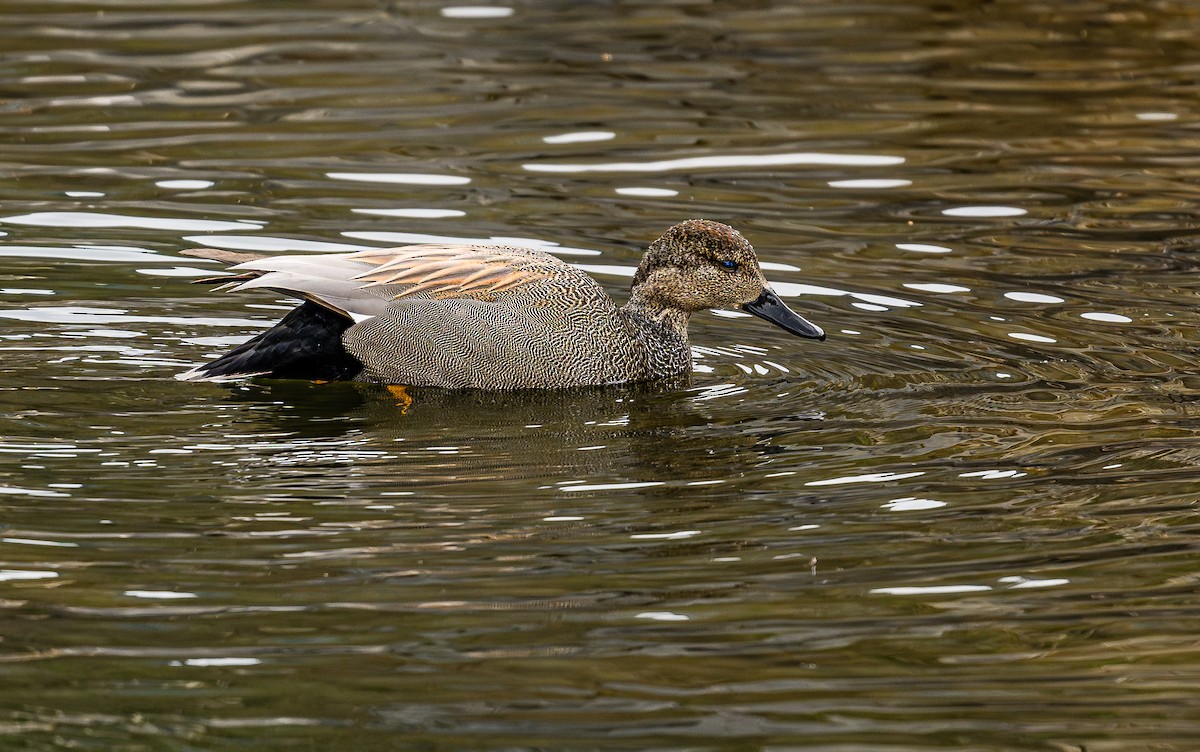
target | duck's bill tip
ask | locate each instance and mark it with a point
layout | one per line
(768, 306)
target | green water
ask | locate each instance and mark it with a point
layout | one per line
(967, 521)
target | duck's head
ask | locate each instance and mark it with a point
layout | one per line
(700, 264)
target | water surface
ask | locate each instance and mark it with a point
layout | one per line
(966, 521)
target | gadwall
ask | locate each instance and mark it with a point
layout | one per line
(493, 317)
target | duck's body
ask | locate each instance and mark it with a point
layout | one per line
(495, 317)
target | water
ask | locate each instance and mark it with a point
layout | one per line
(966, 521)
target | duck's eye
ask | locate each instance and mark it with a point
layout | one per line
(728, 264)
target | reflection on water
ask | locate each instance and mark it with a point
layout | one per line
(966, 521)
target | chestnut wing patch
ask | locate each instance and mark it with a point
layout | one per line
(454, 271)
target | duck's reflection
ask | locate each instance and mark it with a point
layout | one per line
(388, 437)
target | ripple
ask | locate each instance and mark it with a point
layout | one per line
(96, 219)
(118, 254)
(415, 237)
(724, 161)
(86, 315)
(269, 243)
(870, 301)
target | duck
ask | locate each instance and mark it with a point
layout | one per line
(492, 317)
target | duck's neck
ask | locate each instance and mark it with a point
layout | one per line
(644, 307)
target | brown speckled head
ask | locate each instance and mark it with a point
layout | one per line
(700, 264)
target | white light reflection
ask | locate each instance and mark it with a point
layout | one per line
(185, 184)
(869, 183)
(661, 616)
(476, 11)
(175, 271)
(923, 248)
(15, 491)
(38, 542)
(1033, 297)
(931, 589)
(865, 478)
(1112, 318)
(647, 192)
(1021, 583)
(413, 213)
(400, 178)
(612, 486)
(218, 662)
(912, 504)
(1027, 337)
(993, 474)
(936, 287)
(580, 137)
(162, 595)
(725, 160)
(984, 211)
(9, 575)
(679, 535)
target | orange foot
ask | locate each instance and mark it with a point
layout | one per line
(404, 400)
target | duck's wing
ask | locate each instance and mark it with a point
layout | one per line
(362, 284)
(458, 271)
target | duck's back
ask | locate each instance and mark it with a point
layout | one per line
(491, 317)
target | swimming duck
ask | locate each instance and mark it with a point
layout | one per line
(493, 317)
